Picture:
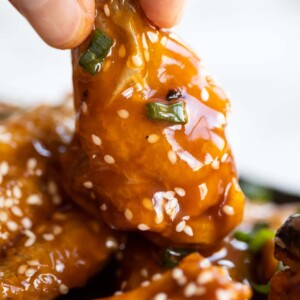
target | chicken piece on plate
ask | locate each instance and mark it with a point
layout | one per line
(150, 123)
(47, 245)
(193, 278)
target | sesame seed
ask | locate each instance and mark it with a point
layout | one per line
(1, 274)
(128, 214)
(224, 157)
(181, 281)
(172, 157)
(137, 60)
(33, 263)
(88, 184)
(177, 273)
(153, 37)
(63, 289)
(111, 243)
(109, 159)
(279, 242)
(123, 285)
(147, 203)
(159, 219)
(17, 211)
(123, 113)
(57, 230)
(223, 294)
(38, 172)
(22, 269)
(31, 163)
(84, 107)
(205, 277)
(103, 207)
(203, 190)
(4, 168)
(17, 192)
(30, 272)
(190, 290)
(204, 94)
(205, 263)
(34, 200)
(160, 296)
(122, 51)
(188, 230)
(96, 140)
(215, 164)
(106, 10)
(143, 227)
(3, 216)
(228, 210)
(9, 202)
(145, 283)
(12, 226)
(144, 272)
(31, 238)
(153, 138)
(201, 290)
(179, 191)
(180, 226)
(48, 237)
(156, 276)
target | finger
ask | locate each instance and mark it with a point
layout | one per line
(163, 13)
(61, 24)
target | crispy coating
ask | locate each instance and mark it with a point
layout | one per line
(285, 285)
(58, 260)
(47, 245)
(177, 182)
(194, 278)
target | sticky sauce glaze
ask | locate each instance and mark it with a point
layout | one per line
(177, 183)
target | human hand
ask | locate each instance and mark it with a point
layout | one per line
(66, 24)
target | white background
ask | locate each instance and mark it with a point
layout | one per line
(251, 47)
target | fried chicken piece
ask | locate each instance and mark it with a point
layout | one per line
(67, 250)
(47, 245)
(194, 278)
(286, 284)
(174, 180)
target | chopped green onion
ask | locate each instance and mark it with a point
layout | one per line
(261, 288)
(256, 238)
(98, 49)
(171, 112)
(171, 257)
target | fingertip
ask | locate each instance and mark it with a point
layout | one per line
(163, 13)
(61, 24)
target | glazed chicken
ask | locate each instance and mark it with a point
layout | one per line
(150, 133)
(41, 232)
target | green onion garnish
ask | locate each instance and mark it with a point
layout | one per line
(256, 238)
(256, 192)
(98, 49)
(171, 257)
(261, 288)
(173, 112)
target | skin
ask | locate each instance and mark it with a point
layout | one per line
(66, 24)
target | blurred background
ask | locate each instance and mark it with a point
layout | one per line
(251, 47)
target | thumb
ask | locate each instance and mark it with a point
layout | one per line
(163, 13)
(61, 24)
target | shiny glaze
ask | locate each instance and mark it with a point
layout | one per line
(152, 175)
(194, 278)
(42, 253)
